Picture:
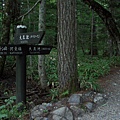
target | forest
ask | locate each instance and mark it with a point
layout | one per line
(85, 40)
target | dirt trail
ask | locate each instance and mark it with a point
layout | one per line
(111, 109)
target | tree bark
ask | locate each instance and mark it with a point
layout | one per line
(111, 43)
(94, 50)
(108, 20)
(67, 61)
(6, 22)
(41, 58)
(11, 11)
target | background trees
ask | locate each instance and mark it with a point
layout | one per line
(9, 14)
(96, 37)
(41, 58)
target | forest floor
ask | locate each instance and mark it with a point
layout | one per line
(110, 85)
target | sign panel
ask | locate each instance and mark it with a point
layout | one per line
(38, 49)
(29, 38)
(24, 49)
(11, 50)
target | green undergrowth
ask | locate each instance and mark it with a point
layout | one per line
(51, 68)
(89, 69)
(9, 111)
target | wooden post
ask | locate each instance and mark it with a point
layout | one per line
(21, 72)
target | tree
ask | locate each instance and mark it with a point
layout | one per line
(67, 61)
(41, 58)
(111, 5)
(108, 20)
(10, 13)
(94, 50)
(6, 32)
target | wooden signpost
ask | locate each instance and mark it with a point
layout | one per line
(24, 45)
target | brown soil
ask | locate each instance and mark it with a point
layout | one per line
(106, 80)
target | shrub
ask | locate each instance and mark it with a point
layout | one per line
(10, 111)
(90, 69)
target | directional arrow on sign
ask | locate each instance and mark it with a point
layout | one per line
(24, 49)
(29, 38)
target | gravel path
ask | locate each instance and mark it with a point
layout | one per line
(110, 110)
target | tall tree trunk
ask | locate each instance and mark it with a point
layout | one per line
(6, 22)
(41, 58)
(108, 20)
(29, 21)
(111, 43)
(67, 61)
(94, 50)
(11, 11)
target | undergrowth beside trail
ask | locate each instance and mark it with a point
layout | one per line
(89, 70)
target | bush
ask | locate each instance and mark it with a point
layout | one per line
(90, 69)
(51, 68)
(10, 111)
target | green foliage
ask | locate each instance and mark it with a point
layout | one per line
(54, 94)
(89, 69)
(10, 111)
(51, 27)
(10, 61)
(52, 1)
(114, 60)
(32, 68)
(65, 93)
(51, 67)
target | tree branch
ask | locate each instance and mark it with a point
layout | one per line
(22, 16)
(107, 18)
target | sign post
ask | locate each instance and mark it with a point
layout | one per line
(21, 48)
(21, 72)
